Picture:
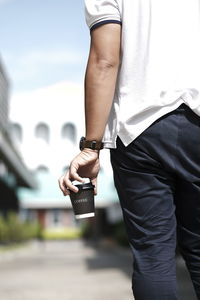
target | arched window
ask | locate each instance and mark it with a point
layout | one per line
(16, 131)
(42, 169)
(69, 132)
(42, 132)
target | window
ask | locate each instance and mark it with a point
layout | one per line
(16, 131)
(42, 169)
(42, 132)
(69, 132)
(56, 216)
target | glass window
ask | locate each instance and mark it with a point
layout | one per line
(16, 131)
(42, 169)
(69, 132)
(42, 132)
(56, 216)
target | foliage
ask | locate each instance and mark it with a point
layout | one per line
(86, 229)
(4, 231)
(61, 233)
(13, 230)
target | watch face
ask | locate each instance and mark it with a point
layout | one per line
(81, 143)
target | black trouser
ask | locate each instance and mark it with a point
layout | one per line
(157, 178)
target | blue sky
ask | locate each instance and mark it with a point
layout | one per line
(43, 42)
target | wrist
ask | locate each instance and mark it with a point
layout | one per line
(90, 144)
(93, 138)
(91, 152)
(88, 150)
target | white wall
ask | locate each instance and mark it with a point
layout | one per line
(53, 105)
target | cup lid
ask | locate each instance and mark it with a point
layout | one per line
(85, 186)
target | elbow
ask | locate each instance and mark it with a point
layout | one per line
(107, 63)
(104, 62)
(103, 65)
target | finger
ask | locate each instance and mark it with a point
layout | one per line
(62, 186)
(68, 184)
(94, 182)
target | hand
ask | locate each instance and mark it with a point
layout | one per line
(85, 164)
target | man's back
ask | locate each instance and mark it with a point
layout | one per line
(160, 65)
(162, 42)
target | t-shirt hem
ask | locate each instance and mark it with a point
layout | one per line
(110, 145)
(100, 23)
(127, 137)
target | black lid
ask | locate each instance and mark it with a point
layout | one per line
(85, 186)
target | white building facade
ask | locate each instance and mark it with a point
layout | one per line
(46, 127)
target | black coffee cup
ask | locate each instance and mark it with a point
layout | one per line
(83, 201)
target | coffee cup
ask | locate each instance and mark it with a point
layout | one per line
(83, 200)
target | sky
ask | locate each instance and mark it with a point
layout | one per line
(43, 42)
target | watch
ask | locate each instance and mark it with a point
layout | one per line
(94, 145)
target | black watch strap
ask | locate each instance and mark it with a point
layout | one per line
(94, 145)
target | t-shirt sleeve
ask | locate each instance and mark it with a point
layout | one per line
(99, 12)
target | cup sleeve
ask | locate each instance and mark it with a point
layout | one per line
(99, 12)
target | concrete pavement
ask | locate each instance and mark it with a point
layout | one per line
(67, 270)
(72, 270)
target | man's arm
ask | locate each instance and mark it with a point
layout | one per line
(100, 81)
(100, 78)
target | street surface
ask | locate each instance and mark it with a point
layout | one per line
(72, 270)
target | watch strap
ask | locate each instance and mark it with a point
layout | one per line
(94, 145)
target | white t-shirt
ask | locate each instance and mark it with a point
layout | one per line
(160, 63)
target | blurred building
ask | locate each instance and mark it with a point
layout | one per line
(13, 171)
(46, 126)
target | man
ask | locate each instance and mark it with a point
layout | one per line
(142, 101)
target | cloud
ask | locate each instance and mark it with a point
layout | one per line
(56, 98)
(39, 66)
(36, 60)
(50, 57)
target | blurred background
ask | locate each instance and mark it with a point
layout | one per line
(43, 54)
(44, 48)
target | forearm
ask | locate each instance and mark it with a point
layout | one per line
(100, 81)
